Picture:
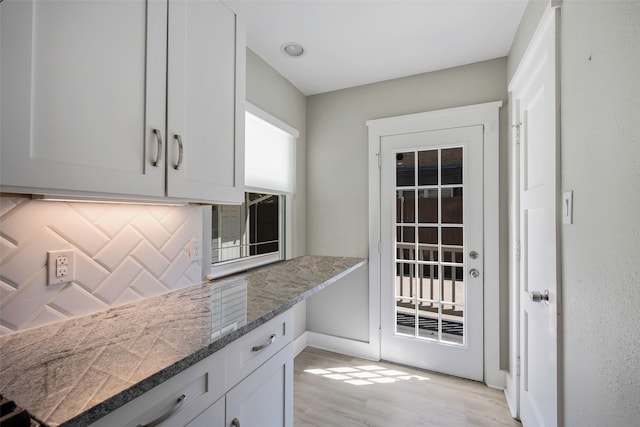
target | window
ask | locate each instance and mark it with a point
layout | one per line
(253, 228)
(255, 233)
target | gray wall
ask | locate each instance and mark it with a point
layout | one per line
(600, 148)
(267, 89)
(337, 175)
(528, 24)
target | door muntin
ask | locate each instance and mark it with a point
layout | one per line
(430, 283)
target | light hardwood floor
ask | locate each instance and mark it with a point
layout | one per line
(392, 395)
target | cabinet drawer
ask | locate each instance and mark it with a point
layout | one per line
(201, 384)
(247, 353)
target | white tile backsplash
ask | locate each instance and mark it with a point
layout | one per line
(74, 300)
(123, 253)
(118, 249)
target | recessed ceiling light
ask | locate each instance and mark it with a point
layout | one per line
(293, 50)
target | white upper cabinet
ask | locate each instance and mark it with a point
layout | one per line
(203, 84)
(96, 96)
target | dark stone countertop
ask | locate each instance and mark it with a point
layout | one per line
(74, 372)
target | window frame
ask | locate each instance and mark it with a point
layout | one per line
(286, 214)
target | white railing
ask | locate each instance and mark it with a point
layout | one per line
(427, 263)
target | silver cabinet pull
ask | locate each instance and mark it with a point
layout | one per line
(178, 166)
(235, 422)
(272, 338)
(167, 414)
(539, 297)
(158, 135)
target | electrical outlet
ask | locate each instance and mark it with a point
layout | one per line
(195, 249)
(61, 266)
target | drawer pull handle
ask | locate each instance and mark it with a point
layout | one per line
(235, 422)
(272, 338)
(167, 414)
(158, 135)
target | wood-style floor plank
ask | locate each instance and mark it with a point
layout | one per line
(407, 397)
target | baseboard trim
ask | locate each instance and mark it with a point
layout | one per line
(511, 398)
(364, 350)
(494, 386)
(300, 343)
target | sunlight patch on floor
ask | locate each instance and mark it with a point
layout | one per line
(365, 375)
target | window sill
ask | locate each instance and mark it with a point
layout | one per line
(226, 268)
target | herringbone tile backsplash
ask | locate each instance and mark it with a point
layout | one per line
(123, 253)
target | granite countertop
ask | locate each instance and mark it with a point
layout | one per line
(74, 372)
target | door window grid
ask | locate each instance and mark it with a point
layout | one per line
(429, 247)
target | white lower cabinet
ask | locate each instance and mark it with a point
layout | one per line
(264, 398)
(248, 383)
(201, 385)
(213, 416)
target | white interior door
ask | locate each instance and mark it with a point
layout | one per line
(432, 250)
(534, 94)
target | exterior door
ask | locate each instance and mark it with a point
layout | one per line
(534, 95)
(431, 256)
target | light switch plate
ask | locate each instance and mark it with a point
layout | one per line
(61, 267)
(567, 207)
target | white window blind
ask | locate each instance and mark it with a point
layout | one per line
(269, 156)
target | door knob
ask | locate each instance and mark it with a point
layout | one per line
(538, 297)
(474, 273)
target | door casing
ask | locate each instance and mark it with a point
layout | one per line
(486, 114)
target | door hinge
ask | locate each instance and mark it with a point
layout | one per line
(518, 250)
(517, 126)
(518, 366)
(379, 159)
(379, 334)
(379, 247)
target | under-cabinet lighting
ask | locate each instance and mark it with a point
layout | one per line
(87, 199)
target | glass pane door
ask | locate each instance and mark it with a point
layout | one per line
(431, 243)
(429, 247)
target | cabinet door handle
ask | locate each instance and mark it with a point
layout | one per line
(235, 422)
(272, 338)
(178, 166)
(158, 135)
(167, 414)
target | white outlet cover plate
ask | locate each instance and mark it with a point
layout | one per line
(52, 266)
(195, 249)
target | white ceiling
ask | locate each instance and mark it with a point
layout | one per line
(355, 42)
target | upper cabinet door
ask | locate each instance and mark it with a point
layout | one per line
(83, 88)
(205, 104)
